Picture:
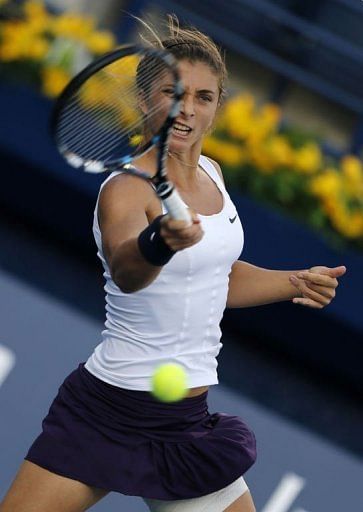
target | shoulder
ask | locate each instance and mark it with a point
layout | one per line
(124, 193)
(125, 185)
(217, 167)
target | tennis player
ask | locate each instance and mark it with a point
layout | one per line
(167, 285)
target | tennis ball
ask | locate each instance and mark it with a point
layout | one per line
(169, 383)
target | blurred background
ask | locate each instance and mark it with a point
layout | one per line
(290, 141)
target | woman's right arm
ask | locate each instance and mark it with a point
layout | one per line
(127, 205)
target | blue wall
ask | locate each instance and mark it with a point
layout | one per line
(38, 186)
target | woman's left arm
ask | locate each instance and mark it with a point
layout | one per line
(254, 286)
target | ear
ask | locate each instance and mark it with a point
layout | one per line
(142, 102)
(212, 124)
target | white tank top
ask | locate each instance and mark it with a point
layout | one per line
(176, 318)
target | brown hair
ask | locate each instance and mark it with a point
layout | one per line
(188, 43)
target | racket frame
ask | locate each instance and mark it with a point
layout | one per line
(159, 139)
(164, 188)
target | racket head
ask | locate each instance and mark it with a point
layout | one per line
(117, 108)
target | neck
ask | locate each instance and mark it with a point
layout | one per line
(184, 161)
(182, 169)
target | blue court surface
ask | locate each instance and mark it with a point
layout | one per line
(43, 339)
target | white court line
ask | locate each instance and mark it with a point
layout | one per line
(7, 362)
(285, 494)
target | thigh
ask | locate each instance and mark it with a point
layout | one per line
(37, 490)
(242, 504)
(234, 495)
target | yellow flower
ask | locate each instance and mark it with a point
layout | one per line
(224, 152)
(31, 25)
(54, 81)
(210, 147)
(327, 184)
(10, 52)
(231, 154)
(136, 139)
(100, 42)
(128, 115)
(330, 205)
(355, 225)
(9, 30)
(123, 71)
(260, 125)
(21, 40)
(15, 41)
(38, 49)
(97, 91)
(35, 10)
(352, 170)
(280, 151)
(72, 25)
(270, 115)
(93, 92)
(38, 26)
(349, 225)
(308, 159)
(259, 155)
(256, 132)
(237, 116)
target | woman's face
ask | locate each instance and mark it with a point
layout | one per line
(198, 106)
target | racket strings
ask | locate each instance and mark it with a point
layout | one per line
(108, 114)
(96, 100)
(82, 131)
(84, 122)
(90, 141)
(84, 139)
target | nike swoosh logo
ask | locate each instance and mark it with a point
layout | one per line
(233, 219)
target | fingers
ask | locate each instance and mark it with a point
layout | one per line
(337, 271)
(319, 279)
(317, 286)
(306, 288)
(332, 272)
(308, 302)
(314, 298)
(178, 234)
(323, 276)
(328, 292)
(176, 225)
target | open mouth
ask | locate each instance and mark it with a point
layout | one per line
(181, 129)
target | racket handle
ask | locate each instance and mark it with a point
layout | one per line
(173, 202)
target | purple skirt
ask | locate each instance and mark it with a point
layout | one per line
(129, 442)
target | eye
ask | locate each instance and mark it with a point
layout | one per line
(206, 97)
(168, 91)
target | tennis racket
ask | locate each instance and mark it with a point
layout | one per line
(117, 109)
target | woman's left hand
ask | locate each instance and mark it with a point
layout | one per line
(317, 285)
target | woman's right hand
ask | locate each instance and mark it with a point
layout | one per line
(178, 235)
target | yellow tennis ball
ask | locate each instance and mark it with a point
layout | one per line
(169, 383)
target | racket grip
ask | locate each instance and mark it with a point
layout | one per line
(173, 202)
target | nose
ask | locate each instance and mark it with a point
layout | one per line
(187, 105)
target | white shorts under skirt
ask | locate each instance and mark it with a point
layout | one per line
(215, 502)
